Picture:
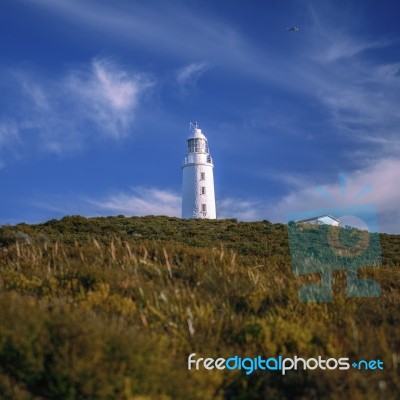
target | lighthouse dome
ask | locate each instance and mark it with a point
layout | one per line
(198, 134)
(197, 142)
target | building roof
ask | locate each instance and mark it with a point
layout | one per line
(197, 134)
(319, 216)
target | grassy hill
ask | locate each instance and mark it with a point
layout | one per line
(110, 308)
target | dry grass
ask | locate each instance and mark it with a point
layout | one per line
(110, 318)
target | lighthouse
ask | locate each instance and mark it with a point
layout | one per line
(198, 197)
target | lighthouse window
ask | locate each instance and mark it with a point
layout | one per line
(201, 146)
(203, 190)
(197, 146)
(191, 146)
(204, 208)
(202, 176)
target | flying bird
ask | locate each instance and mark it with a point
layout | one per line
(293, 29)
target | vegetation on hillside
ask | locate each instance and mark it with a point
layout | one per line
(110, 308)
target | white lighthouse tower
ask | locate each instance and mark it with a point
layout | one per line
(198, 197)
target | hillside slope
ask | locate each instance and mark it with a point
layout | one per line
(110, 308)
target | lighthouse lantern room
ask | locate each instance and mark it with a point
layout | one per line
(198, 197)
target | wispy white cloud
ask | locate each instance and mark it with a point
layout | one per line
(382, 176)
(358, 89)
(336, 38)
(152, 201)
(189, 74)
(342, 47)
(8, 133)
(137, 201)
(107, 95)
(177, 30)
(96, 99)
(9, 139)
(365, 112)
(33, 91)
(242, 209)
(140, 201)
(172, 23)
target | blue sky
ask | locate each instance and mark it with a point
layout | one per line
(96, 99)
